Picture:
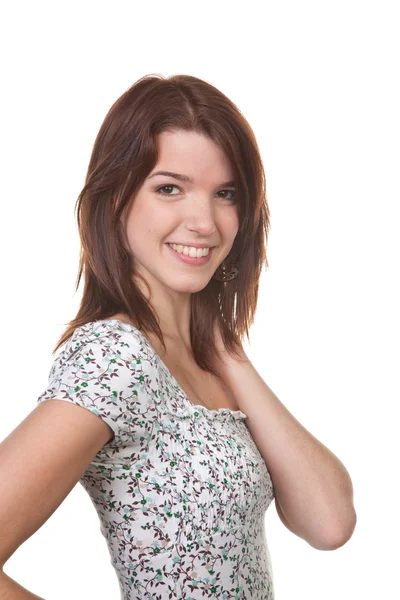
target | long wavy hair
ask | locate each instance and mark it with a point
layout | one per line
(123, 155)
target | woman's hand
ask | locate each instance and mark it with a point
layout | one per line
(226, 359)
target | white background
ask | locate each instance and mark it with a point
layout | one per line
(319, 84)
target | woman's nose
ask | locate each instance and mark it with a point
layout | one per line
(200, 216)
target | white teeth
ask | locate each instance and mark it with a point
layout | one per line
(190, 250)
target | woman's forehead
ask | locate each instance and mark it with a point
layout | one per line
(193, 156)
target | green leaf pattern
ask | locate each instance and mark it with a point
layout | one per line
(181, 491)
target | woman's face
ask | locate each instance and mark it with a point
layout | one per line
(200, 210)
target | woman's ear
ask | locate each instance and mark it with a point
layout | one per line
(122, 233)
(122, 227)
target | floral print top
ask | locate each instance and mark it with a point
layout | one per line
(181, 491)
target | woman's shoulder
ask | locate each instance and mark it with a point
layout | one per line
(107, 367)
(105, 337)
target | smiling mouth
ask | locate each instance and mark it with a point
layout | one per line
(191, 245)
(191, 250)
(189, 259)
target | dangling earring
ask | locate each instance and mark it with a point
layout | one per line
(223, 274)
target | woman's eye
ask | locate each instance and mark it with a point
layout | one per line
(163, 187)
(170, 186)
(229, 192)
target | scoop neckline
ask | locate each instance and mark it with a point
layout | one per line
(211, 411)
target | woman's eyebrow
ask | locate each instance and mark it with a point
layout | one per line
(185, 178)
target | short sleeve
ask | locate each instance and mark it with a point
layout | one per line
(98, 371)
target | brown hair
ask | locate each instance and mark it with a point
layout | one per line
(124, 153)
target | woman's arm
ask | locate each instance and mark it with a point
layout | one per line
(313, 489)
(11, 590)
(41, 461)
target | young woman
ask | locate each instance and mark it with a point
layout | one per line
(182, 446)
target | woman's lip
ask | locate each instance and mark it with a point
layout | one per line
(194, 245)
(191, 260)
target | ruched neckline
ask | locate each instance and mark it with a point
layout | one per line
(195, 410)
(191, 410)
